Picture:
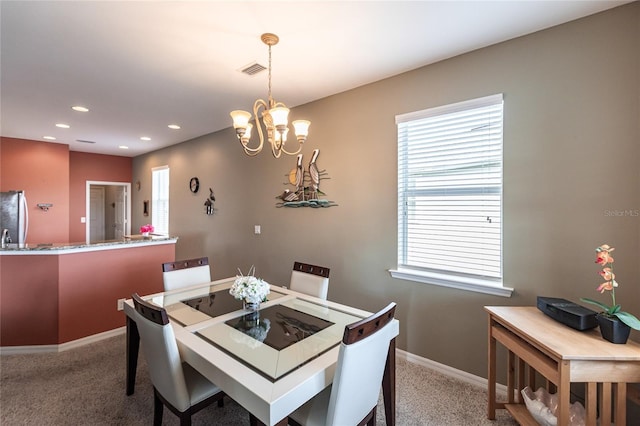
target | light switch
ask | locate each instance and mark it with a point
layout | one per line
(83, 219)
(256, 229)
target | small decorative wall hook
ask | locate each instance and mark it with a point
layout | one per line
(45, 206)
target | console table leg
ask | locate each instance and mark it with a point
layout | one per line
(591, 402)
(510, 376)
(621, 403)
(605, 410)
(491, 374)
(520, 383)
(563, 388)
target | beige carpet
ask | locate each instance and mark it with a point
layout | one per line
(85, 386)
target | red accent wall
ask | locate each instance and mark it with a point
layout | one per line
(53, 299)
(83, 167)
(41, 169)
(50, 173)
(28, 300)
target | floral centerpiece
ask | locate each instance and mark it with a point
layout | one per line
(146, 229)
(250, 289)
(604, 259)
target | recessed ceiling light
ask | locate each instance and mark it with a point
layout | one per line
(174, 126)
(49, 138)
(145, 138)
(123, 147)
(62, 125)
(80, 108)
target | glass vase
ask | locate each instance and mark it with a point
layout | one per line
(250, 306)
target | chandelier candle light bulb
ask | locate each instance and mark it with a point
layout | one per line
(275, 119)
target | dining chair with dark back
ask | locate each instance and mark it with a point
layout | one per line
(176, 385)
(310, 279)
(352, 399)
(182, 273)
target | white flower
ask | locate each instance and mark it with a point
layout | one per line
(250, 289)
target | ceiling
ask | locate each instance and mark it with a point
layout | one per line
(140, 66)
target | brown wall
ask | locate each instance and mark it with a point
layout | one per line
(94, 167)
(571, 155)
(42, 170)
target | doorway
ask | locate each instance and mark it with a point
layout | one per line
(108, 206)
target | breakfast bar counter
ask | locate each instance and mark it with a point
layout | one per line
(54, 294)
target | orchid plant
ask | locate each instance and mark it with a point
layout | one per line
(604, 259)
(249, 288)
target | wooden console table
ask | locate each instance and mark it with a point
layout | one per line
(562, 355)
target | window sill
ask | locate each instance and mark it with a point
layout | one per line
(460, 283)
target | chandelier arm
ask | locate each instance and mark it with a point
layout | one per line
(250, 151)
(292, 153)
(254, 151)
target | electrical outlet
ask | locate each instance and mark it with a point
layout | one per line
(120, 304)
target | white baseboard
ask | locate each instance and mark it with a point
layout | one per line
(36, 349)
(449, 371)
(454, 373)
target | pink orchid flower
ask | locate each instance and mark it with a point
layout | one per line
(607, 274)
(605, 286)
(603, 255)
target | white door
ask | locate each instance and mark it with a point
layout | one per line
(96, 215)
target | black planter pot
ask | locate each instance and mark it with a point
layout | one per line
(613, 330)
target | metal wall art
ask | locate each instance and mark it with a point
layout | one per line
(307, 186)
(208, 205)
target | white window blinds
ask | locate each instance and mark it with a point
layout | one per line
(160, 200)
(450, 189)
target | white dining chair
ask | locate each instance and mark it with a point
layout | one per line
(182, 273)
(310, 279)
(176, 385)
(353, 397)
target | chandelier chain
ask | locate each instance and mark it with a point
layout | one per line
(270, 98)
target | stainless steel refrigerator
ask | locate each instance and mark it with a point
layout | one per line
(14, 215)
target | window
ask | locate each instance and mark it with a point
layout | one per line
(160, 199)
(450, 195)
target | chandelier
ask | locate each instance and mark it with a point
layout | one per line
(274, 119)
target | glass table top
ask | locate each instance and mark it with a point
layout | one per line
(289, 325)
(280, 338)
(195, 305)
(273, 341)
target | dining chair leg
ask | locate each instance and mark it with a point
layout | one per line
(158, 407)
(389, 385)
(185, 418)
(133, 346)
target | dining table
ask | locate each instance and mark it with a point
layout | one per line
(270, 361)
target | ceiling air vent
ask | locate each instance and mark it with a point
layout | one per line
(84, 141)
(254, 68)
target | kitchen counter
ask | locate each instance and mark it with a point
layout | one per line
(56, 294)
(66, 248)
